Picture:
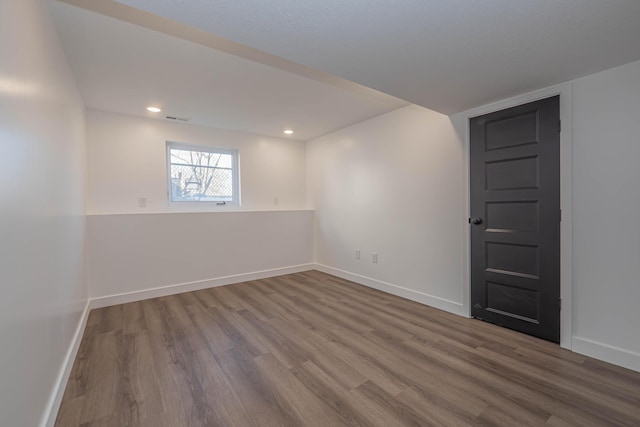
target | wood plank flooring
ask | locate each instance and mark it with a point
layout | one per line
(310, 349)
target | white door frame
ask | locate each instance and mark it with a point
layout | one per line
(566, 186)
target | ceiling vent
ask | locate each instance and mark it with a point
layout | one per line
(180, 119)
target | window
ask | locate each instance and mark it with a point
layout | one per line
(200, 173)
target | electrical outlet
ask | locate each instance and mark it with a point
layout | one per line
(142, 202)
(358, 254)
(374, 257)
(276, 202)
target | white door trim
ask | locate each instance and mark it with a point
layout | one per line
(566, 203)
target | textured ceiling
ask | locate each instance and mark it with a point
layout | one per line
(447, 55)
(124, 66)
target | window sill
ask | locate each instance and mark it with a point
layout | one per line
(223, 210)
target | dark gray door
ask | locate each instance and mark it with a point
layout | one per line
(515, 224)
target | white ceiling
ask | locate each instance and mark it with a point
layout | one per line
(123, 67)
(265, 65)
(447, 55)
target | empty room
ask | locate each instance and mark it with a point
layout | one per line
(319, 213)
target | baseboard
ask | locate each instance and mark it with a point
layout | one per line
(123, 298)
(53, 404)
(410, 294)
(608, 353)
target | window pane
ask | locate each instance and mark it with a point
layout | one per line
(201, 176)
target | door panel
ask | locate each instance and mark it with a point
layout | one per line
(512, 131)
(512, 217)
(513, 300)
(512, 174)
(513, 259)
(515, 202)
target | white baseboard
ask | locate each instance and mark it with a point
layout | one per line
(608, 353)
(53, 404)
(123, 298)
(410, 294)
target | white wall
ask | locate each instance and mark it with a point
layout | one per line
(41, 211)
(392, 185)
(127, 160)
(135, 254)
(605, 201)
(173, 246)
(396, 185)
(606, 205)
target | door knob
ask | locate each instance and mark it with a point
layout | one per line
(475, 221)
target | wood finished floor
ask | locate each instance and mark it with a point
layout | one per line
(310, 349)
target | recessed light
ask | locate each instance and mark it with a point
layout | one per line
(154, 109)
(288, 131)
